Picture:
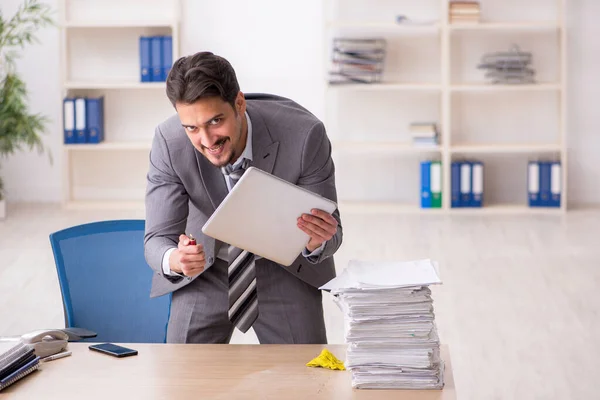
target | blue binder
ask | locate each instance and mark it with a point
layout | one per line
(156, 58)
(167, 56)
(69, 120)
(545, 180)
(95, 119)
(555, 183)
(533, 184)
(425, 184)
(80, 120)
(476, 184)
(145, 75)
(455, 184)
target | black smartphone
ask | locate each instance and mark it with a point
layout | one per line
(113, 350)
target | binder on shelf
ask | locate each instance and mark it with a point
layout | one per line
(95, 119)
(476, 184)
(167, 56)
(69, 120)
(425, 184)
(555, 183)
(533, 184)
(156, 58)
(80, 120)
(545, 181)
(455, 184)
(145, 75)
(465, 184)
(435, 184)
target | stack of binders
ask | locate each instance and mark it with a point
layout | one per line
(390, 324)
(466, 184)
(431, 184)
(83, 120)
(544, 183)
(156, 58)
(357, 60)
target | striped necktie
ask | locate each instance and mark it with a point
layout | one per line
(243, 300)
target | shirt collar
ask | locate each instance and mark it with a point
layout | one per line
(247, 153)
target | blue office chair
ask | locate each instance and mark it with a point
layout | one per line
(105, 282)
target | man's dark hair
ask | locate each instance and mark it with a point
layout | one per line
(200, 76)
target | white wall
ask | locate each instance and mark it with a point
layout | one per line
(277, 47)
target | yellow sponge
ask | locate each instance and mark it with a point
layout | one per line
(326, 360)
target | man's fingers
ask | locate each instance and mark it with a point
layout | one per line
(324, 216)
(314, 231)
(191, 258)
(191, 249)
(329, 228)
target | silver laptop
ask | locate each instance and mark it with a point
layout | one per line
(260, 213)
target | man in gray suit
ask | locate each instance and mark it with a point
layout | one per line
(197, 156)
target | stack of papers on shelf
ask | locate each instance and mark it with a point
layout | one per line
(424, 134)
(357, 60)
(513, 66)
(390, 324)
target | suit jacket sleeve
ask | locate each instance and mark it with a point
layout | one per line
(166, 207)
(318, 175)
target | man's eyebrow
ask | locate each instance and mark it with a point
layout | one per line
(216, 116)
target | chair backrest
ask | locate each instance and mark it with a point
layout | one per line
(105, 282)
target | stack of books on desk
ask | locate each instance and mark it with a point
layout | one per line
(16, 362)
(464, 12)
(357, 60)
(424, 134)
(390, 324)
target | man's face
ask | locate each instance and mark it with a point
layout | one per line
(215, 128)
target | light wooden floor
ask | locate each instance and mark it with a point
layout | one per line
(519, 308)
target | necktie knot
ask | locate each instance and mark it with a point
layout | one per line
(235, 172)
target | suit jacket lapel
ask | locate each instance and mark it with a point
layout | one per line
(264, 149)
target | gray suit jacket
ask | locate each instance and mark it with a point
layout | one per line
(184, 188)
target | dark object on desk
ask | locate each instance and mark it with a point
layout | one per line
(113, 350)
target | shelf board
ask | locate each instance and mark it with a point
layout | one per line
(115, 85)
(105, 205)
(120, 24)
(373, 146)
(492, 26)
(489, 87)
(506, 209)
(385, 86)
(109, 146)
(407, 27)
(507, 148)
(367, 207)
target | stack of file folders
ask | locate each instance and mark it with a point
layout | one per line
(464, 12)
(424, 134)
(83, 119)
(512, 66)
(16, 363)
(390, 324)
(357, 60)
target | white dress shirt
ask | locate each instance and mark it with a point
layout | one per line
(223, 251)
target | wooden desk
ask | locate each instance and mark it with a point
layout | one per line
(169, 371)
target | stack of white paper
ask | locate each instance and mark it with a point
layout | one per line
(390, 324)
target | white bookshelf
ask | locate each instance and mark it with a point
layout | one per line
(430, 75)
(100, 57)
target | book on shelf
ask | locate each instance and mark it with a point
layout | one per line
(424, 134)
(464, 11)
(511, 66)
(544, 182)
(156, 58)
(357, 60)
(431, 184)
(466, 184)
(83, 120)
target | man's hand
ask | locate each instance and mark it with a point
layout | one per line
(187, 259)
(319, 225)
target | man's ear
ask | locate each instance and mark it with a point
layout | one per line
(240, 103)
